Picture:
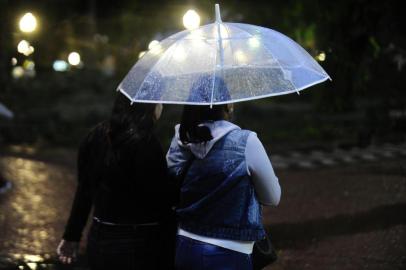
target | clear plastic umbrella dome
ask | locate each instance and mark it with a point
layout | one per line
(221, 63)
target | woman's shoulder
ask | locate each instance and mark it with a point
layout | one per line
(96, 134)
(242, 132)
(152, 142)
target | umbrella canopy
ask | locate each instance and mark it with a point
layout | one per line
(221, 63)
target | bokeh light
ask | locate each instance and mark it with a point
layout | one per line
(254, 42)
(153, 44)
(321, 57)
(191, 20)
(17, 72)
(29, 68)
(28, 23)
(25, 48)
(60, 65)
(179, 54)
(240, 56)
(141, 54)
(74, 58)
(154, 47)
(29, 65)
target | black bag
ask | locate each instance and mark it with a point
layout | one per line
(263, 254)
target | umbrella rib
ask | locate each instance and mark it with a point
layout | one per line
(149, 72)
(266, 48)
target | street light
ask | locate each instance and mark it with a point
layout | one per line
(191, 20)
(28, 23)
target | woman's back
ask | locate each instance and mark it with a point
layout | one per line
(126, 186)
(218, 198)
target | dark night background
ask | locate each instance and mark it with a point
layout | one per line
(341, 216)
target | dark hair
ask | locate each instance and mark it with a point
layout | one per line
(190, 130)
(129, 124)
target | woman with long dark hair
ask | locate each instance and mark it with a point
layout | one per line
(122, 172)
(226, 176)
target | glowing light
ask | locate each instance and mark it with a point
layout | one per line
(74, 58)
(153, 44)
(156, 50)
(25, 48)
(321, 56)
(154, 47)
(191, 20)
(28, 23)
(17, 72)
(29, 65)
(240, 56)
(29, 68)
(17, 256)
(141, 54)
(14, 61)
(254, 42)
(60, 65)
(179, 54)
(33, 258)
(33, 266)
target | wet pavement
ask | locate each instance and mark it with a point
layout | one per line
(33, 212)
(343, 216)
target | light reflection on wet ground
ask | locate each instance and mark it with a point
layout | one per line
(34, 211)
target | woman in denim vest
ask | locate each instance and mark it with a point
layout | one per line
(226, 175)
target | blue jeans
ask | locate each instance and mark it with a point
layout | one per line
(196, 255)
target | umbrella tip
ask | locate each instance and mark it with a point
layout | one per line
(218, 16)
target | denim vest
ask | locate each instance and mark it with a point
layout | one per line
(217, 196)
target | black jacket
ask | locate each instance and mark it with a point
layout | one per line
(130, 188)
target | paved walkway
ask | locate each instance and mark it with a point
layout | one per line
(319, 159)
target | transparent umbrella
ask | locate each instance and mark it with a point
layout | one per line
(221, 63)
